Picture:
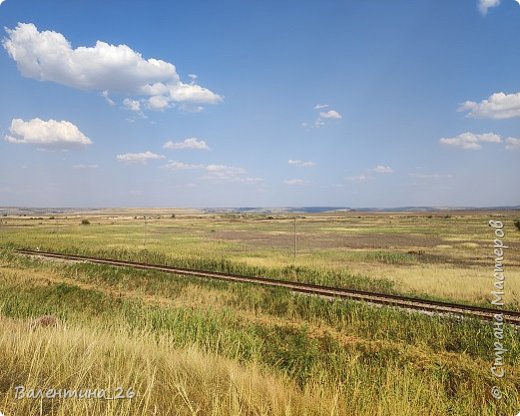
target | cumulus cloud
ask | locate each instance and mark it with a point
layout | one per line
(294, 182)
(49, 56)
(158, 102)
(512, 143)
(46, 134)
(301, 163)
(1, 1)
(470, 141)
(484, 5)
(331, 114)
(192, 93)
(382, 169)
(323, 116)
(190, 143)
(141, 158)
(496, 106)
(132, 105)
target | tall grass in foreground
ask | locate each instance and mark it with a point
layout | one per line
(188, 382)
(166, 381)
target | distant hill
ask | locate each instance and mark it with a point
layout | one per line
(310, 210)
(31, 211)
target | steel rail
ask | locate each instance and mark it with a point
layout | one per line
(401, 301)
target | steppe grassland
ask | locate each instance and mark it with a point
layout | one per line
(445, 255)
(222, 349)
(217, 348)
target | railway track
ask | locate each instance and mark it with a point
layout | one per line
(407, 302)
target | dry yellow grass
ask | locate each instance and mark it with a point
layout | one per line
(166, 381)
(472, 284)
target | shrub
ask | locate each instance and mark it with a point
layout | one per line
(517, 224)
(85, 222)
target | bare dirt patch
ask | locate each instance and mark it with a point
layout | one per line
(327, 240)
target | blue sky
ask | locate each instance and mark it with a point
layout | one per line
(272, 103)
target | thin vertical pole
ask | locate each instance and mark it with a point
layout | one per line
(294, 232)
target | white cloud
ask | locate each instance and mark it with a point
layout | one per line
(190, 143)
(158, 102)
(358, 178)
(48, 56)
(107, 97)
(174, 165)
(132, 105)
(141, 158)
(85, 166)
(247, 180)
(470, 141)
(382, 169)
(46, 134)
(331, 114)
(224, 170)
(224, 173)
(323, 116)
(511, 142)
(497, 106)
(214, 172)
(191, 108)
(192, 93)
(484, 5)
(366, 177)
(1, 1)
(301, 163)
(294, 182)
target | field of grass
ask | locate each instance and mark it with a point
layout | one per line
(444, 255)
(193, 347)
